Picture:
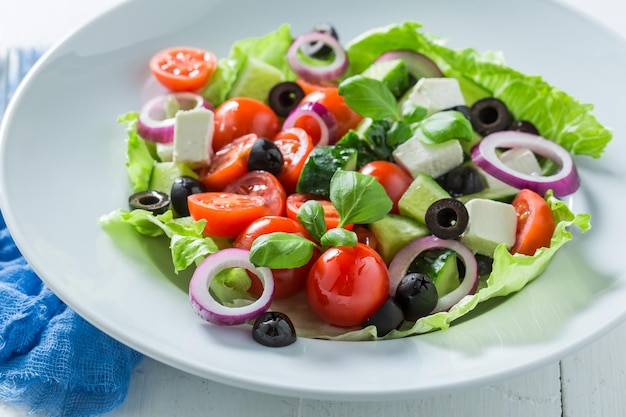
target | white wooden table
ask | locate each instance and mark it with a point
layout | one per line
(589, 383)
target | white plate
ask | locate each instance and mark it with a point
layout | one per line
(62, 166)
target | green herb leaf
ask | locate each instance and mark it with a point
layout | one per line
(281, 250)
(369, 97)
(444, 126)
(398, 133)
(339, 237)
(358, 198)
(414, 114)
(311, 216)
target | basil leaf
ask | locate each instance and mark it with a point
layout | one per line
(311, 216)
(339, 237)
(369, 97)
(358, 198)
(280, 250)
(414, 114)
(443, 126)
(398, 133)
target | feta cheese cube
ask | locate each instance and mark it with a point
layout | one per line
(193, 137)
(490, 224)
(431, 159)
(165, 151)
(435, 94)
(521, 160)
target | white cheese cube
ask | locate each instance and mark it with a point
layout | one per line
(432, 159)
(435, 94)
(165, 151)
(193, 137)
(490, 224)
(521, 160)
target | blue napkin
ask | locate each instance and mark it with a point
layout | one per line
(52, 361)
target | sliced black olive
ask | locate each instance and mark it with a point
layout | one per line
(274, 329)
(388, 317)
(320, 50)
(265, 156)
(154, 201)
(447, 218)
(284, 97)
(182, 188)
(490, 115)
(463, 180)
(463, 109)
(416, 295)
(524, 126)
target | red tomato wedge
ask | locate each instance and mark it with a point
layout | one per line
(329, 97)
(394, 179)
(183, 68)
(261, 184)
(227, 214)
(535, 223)
(296, 200)
(228, 164)
(295, 144)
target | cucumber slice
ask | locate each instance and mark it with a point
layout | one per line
(393, 232)
(393, 73)
(320, 167)
(422, 192)
(165, 173)
(255, 80)
(441, 266)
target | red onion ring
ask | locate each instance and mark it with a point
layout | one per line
(563, 183)
(419, 65)
(326, 120)
(152, 124)
(401, 262)
(318, 73)
(212, 311)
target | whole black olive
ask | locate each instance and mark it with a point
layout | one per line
(284, 97)
(485, 264)
(265, 156)
(463, 180)
(154, 201)
(416, 295)
(388, 317)
(273, 329)
(182, 188)
(490, 115)
(320, 50)
(524, 126)
(447, 218)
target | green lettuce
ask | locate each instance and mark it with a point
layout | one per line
(140, 154)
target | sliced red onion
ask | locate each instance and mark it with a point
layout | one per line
(317, 73)
(326, 120)
(400, 264)
(154, 125)
(419, 65)
(208, 308)
(563, 183)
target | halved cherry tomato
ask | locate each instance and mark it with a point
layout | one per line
(535, 223)
(309, 87)
(330, 98)
(347, 284)
(228, 164)
(241, 115)
(287, 282)
(264, 185)
(295, 145)
(183, 68)
(394, 179)
(296, 200)
(227, 214)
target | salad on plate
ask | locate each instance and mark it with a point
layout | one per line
(373, 189)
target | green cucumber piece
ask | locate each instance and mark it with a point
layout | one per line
(440, 265)
(422, 192)
(165, 173)
(393, 73)
(393, 232)
(320, 167)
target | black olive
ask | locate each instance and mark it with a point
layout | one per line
(320, 50)
(416, 295)
(154, 201)
(463, 180)
(463, 109)
(490, 115)
(447, 218)
(284, 97)
(485, 264)
(524, 126)
(273, 329)
(182, 188)
(265, 156)
(388, 317)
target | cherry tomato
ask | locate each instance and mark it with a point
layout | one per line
(295, 145)
(287, 282)
(347, 284)
(227, 214)
(309, 87)
(241, 115)
(264, 185)
(228, 164)
(183, 68)
(365, 235)
(535, 223)
(330, 98)
(296, 200)
(394, 179)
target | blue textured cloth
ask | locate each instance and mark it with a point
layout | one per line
(52, 361)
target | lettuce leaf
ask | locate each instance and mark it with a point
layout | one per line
(140, 158)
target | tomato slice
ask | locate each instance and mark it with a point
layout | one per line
(329, 97)
(227, 214)
(228, 164)
(331, 215)
(261, 184)
(295, 144)
(394, 179)
(183, 68)
(535, 223)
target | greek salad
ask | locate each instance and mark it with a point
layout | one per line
(371, 189)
